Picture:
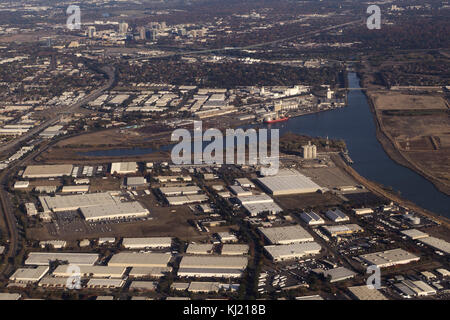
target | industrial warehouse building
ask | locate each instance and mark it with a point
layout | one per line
(414, 234)
(149, 272)
(177, 191)
(257, 204)
(124, 167)
(75, 189)
(337, 215)
(286, 235)
(44, 258)
(365, 293)
(437, 244)
(287, 182)
(90, 271)
(292, 251)
(74, 202)
(48, 171)
(340, 230)
(121, 210)
(235, 249)
(134, 259)
(212, 266)
(29, 275)
(200, 248)
(312, 218)
(150, 242)
(181, 200)
(389, 258)
(105, 283)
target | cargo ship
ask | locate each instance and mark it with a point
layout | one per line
(270, 120)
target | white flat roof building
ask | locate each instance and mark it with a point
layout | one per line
(286, 235)
(149, 242)
(105, 283)
(255, 199)
(239, 191)
(29, 275)
(44, 258)
(152, 272)
(48, 171)
(134, 259)
(389, 258)
(255, 209)
(364, 293)
(362, 211)
(437, 244)
(75, 189)
(288, 182)
(343, 229)
(312, 218)
(212, 266)
(144, 285)
(200, 248)
(176, 191)
(124, 167)
(21, 184)
(292, 251)
(235, 249)
(90, 271)
(121, 210)
(9, 296)
(74, 202)
(414, 234)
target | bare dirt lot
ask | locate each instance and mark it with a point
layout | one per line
(399, 101)
(422, 139)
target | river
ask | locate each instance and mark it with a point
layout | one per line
(356, 125)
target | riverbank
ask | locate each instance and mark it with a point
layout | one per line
(391, 148)
(380, 191)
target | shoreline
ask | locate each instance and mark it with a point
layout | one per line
(395, 154)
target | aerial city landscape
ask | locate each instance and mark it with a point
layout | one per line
(224, 150)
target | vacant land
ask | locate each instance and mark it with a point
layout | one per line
(304, 201)
(418, 128)
(398, 101)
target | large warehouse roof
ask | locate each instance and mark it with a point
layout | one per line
(29, 274)
(44, 258)
(150, 242)
(75, 202)
(48, 171)
(114, 211)
(131, 259)
(95, 271)
(212, 262)
(124, 167)
(389, 258)
(288, 182)
(292, 251)
(437, 243)
(365, 293)
(286, 235)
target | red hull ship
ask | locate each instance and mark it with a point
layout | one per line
(276, 120)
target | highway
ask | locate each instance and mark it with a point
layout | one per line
(6, 208)
(52, 121)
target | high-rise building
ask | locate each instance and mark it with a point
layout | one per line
(154, 35)
(142, 33)
(123, 28)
